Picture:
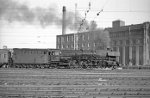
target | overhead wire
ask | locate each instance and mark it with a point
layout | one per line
(84, 19)
(102, 9)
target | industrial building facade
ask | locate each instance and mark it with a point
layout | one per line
(84, 41)
(131, 41)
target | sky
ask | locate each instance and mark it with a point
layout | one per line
(35, 23)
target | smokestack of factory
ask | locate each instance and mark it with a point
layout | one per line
(64, 21)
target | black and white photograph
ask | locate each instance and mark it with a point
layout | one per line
(74, 48)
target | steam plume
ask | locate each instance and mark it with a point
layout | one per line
(11, 11)
(102, 39)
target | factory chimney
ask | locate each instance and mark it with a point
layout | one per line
(64, 21)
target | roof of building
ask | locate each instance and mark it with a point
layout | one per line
(127, 27)
(115, 29)
(4, 50)
(32, 49)
(66, 34)
(94, 31)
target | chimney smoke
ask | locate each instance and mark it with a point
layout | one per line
(64, 21)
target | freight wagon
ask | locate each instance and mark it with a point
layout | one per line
(5, 57)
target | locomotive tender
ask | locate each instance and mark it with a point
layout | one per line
(55, 58)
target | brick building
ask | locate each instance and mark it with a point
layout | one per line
(131, 41)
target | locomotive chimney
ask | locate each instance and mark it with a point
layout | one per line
(64, 21)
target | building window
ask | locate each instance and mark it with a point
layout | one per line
(127, 42)
(72, 38)
(131, 42)
(82, 45)
(62, 46)
(71, 46)
(116, 34)
(68, 47)
(134, 41)
(138, 41)
(120, 42)
(4, 56)
(94, 44)
(124, 42)
(126, 34)
(117, 43)
(114, 49)
(58, 39)
(88, 45)
(77, 46)
(67, 38)
(62, 39)
(57, 46)
(112, 42)
(141, 41)
(83, 37)
(88, 36)
(113, 35)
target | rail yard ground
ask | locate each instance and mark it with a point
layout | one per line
(74, 83)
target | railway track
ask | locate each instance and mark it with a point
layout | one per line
(69, 83)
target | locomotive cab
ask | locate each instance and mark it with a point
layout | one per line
(53, 57)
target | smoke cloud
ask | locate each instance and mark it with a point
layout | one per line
(13, 11)
(47, 16)
(102, 39)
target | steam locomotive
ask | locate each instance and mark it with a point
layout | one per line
(55, 58)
